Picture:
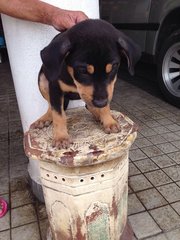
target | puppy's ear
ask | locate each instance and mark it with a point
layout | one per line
(53, 55)
(130, 49)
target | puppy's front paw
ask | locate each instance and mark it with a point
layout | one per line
(41, 124)
(112, 127)
(62, 142)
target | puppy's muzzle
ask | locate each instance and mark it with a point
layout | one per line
(100, 103)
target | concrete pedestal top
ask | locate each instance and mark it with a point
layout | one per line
(91, 145)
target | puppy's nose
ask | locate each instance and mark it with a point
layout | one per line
(100, 102)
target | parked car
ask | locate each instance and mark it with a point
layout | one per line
(155, 26)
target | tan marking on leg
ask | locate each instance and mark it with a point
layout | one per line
(108, 68)
(61, 136)
(46, 119)
(44, 86)
(110, 89)
(67, 88)
(90, 69)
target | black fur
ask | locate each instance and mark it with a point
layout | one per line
(93, 42)
(83, 61)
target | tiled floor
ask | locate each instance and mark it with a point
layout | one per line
(154, 174)
(26, 218)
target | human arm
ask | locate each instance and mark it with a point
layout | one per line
(38, 11)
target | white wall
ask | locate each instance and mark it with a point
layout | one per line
(24, 41)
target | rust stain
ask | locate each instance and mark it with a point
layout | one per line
(25, 141)
(71, 153)
(114, 210)
(33, 141)
(29, 151)
(120, 118)
(50, 153)
(128, 126)
(93, 147)
(94, 216)
(79, 224)
(135, 128)
(68, 158)
(95, 153)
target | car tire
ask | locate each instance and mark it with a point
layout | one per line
(169, 69)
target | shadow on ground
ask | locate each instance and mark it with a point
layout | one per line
(145, 78)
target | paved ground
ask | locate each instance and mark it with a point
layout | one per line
(154, 174)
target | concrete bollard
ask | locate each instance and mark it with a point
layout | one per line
(86, 186)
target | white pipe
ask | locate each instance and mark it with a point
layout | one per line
(24, 41)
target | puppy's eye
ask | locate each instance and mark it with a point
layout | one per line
(115, 65)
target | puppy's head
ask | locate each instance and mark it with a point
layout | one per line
(92, 51)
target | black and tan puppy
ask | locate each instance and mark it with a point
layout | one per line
(84, 60)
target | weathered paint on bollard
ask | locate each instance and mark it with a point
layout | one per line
(85, 187)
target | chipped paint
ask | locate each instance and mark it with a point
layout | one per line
(60, 219)
(71, 153)
(114, 208)
(95, 153)
(93, 147)
(34, 152)
(97, 220)
(68, 158)
(94, 216)
(79, 224)
(122, 209)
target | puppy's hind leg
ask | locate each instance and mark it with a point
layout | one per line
(43, 121)
(61, 137)
(46, 119)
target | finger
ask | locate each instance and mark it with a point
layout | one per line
(81, 17)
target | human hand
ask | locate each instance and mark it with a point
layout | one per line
(64, 19)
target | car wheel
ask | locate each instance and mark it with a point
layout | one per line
(169, 69)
